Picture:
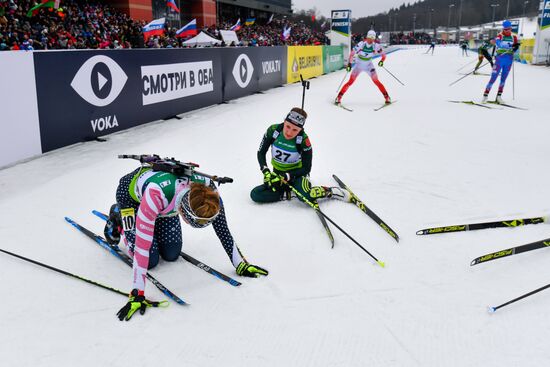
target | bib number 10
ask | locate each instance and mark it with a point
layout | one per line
(128, 219)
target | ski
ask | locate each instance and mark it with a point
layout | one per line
(342, 106)
(472, 103)
(476, 226)
(190, 259)
(117, 252)
(355, 200)
(385, 105)
(327, 229)
(511, 251)
(507, 105)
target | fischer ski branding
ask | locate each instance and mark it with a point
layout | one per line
(355, 200)
(511, 251)
(476, 226)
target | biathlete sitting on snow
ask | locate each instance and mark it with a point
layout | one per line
(291, 158)
(506, 45)
(149, 204)
(483, 52)
(363, 52)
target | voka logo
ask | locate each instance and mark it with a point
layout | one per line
(243, 70)
(271, 66)
(104, 123)
(99, 81)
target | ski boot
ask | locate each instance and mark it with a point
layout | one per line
(387, 98)
(339, 194)
(338, 100)
(485, 97)
(113, 227)
(499, 99)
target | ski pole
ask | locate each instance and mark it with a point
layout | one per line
(305, 85)
(389, 72)
(470, 73)
(513, 81)
(493, 309)
(471, 62)
(72, 275)
(342, 82)
(316, 207)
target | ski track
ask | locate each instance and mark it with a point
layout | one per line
(420, 163)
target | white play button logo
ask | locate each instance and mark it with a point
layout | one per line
(101, 81)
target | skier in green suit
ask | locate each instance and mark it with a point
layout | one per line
(291, 158)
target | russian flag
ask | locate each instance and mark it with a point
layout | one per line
(190, 29)
(156, 27)
(236, 26)
(172, 4)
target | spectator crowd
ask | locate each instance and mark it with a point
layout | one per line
(90, 25)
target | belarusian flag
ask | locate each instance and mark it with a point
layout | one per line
(45, 4)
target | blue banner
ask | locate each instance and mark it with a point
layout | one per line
(341, 22)
(545, 21)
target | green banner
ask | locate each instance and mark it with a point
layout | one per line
(333, 58)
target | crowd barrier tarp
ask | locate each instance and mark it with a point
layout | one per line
(304, 60)
(86, 94)
(19, 127)
(249, 70)
(333, 58)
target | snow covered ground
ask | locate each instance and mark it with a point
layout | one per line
(419, 163)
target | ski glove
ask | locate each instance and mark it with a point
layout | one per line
(515, 46)
(348, 67)
(274, 180)
(381, 63)
(136, 302)
(252, 271)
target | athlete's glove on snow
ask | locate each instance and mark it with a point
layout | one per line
(381, 63)
(248, 270)
(348, 67)
(274, 180)
(136, 302)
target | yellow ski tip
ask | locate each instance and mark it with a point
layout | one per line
(381, 263)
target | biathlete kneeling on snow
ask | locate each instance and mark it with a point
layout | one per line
(363, 52)
(291, 158)
(147, 210)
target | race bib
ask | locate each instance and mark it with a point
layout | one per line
(128, 219)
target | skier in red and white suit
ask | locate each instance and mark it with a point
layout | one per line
(363, 52)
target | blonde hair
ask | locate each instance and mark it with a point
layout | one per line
(204, 201)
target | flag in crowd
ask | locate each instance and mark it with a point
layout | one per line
(270, 18)
(44, 4)
(236, 26)
(156, 27)
(172, 4)
(286, 33)
(250, 21)
(190, 29)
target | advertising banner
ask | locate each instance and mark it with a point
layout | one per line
(249, 70)
(86, 94)
(545, 15)
(304, 60)
(333, 58)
